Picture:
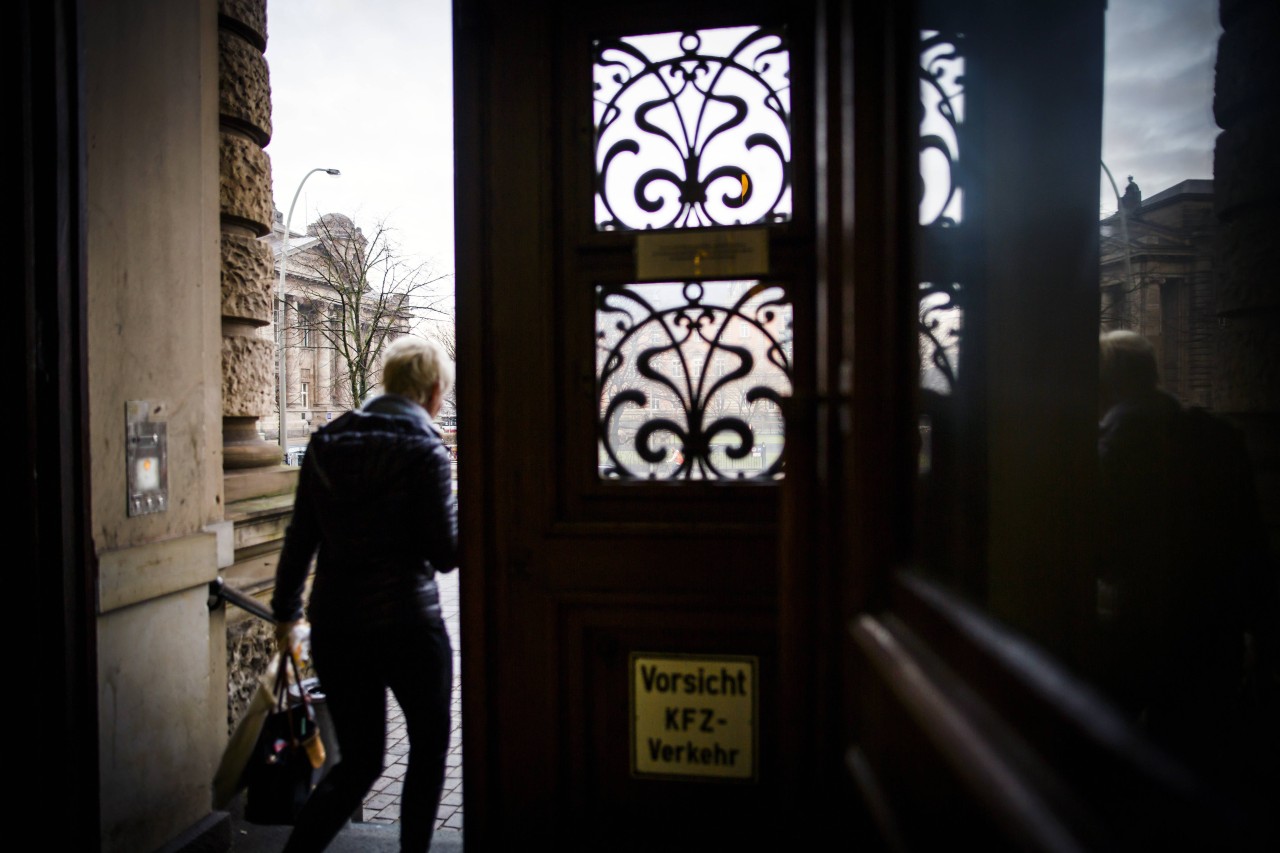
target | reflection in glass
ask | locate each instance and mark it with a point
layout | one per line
(1186, 609)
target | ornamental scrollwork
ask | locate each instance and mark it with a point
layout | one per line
(941, 113)
(940, 328)
(693, 129)
(690, 380)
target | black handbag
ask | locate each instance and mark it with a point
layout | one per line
(282, 769)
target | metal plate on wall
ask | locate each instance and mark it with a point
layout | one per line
(146, 457)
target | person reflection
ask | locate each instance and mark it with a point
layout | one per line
(1185, 600)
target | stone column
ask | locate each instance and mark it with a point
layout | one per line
(1246, 175)
(324, 365)
(244, 101)
(258, 489)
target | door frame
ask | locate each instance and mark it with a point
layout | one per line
(51, 345)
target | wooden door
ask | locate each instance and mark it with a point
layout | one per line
(938, 563)
(630, 333)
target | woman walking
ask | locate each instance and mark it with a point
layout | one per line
(375, 500)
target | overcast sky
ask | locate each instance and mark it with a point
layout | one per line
(365, 86)
(1157, 120)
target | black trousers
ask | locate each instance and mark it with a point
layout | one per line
(355, 667)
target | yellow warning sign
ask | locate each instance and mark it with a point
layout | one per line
(693, 716)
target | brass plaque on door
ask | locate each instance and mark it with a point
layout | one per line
(684, 255)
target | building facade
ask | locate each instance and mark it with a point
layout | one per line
(1157, 279)
(322, 347)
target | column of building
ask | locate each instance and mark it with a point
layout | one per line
(244, 101)
(324, 367)
(258, 487)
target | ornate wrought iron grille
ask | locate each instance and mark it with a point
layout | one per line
(690, 379)
(940, 317)
(693, 129)
(941, 115)
(941, 206)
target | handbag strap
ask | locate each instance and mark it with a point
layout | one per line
(282, 703)
(281, 691)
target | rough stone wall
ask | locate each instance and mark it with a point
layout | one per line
(244, 191)
(250, 646)
(246, 384)
(248, 359)
(245, 186)
(1247, 184)
(246, 278)
(244, 88)
(248, 17)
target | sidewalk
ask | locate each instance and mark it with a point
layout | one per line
(382, 806)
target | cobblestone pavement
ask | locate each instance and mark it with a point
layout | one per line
(383, 803)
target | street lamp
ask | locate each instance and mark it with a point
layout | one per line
(282, 350)
(1124, 227)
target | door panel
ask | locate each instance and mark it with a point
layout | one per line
(600, 637)
(959, 725)
(847, 511)
(567, 574)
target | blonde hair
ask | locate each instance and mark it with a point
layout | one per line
(1126, 363)
(413, 366)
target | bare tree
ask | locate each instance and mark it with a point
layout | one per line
(444, 332)
(356, 294)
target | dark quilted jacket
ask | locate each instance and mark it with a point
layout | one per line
(375, 499)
